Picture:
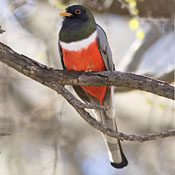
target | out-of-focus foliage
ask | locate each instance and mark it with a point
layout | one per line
(48, 136)
(134, 25)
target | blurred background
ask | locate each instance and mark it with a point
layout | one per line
(48, 137)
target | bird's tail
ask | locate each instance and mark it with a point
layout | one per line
(115, 152)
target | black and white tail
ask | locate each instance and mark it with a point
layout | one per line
(115, 152)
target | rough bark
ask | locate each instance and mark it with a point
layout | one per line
(55, 79)
(52, 77)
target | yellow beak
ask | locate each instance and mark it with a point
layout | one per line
(65, 13)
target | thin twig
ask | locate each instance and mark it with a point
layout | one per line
(77, 103)
(99, 126)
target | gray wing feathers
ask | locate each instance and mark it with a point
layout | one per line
(105, 49)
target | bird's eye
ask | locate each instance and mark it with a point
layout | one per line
(77, 11)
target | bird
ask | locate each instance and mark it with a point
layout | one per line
(83, 46)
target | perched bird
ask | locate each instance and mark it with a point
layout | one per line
(83, 46)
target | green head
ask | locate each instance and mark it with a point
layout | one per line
(78, 23)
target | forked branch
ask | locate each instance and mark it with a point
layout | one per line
(56, 79)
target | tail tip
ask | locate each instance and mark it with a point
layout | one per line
(120, 165)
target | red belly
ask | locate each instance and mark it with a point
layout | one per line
(84, 60)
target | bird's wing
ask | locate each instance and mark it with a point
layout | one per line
(104, 49)
(61, 54)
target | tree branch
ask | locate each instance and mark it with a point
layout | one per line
(51, 77)
(99, 126)
(55, 79)
(168, 77)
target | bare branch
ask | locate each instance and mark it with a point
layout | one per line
(51, 77)
(55, 79)
(168, 77)
(74, 101)
(99, 126)
(107, 131)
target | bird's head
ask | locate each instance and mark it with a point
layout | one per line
(78, 23)
(77, 12)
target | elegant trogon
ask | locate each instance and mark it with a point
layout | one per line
(83, 46)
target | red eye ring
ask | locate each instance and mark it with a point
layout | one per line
(77, 11)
